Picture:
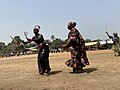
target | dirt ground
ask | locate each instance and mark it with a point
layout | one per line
(20, 73)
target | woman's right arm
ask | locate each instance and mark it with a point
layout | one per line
(28, 41)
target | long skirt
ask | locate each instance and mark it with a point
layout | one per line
(75, 62)
(43, 60)
(116, 49)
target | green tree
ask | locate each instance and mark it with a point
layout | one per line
(97, 40)
(11, 47)
(55, 42)
(2, 47)
(88, 40)
(15, 45)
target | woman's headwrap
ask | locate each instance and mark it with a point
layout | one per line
(71, 25)
(36, 28)
(115, 34)
(74, 24)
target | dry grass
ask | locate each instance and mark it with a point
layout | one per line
(20, 73)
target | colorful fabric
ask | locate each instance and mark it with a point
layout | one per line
(78, 52)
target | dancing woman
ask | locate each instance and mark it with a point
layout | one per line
(76, 44)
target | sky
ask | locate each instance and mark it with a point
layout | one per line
(91, 16)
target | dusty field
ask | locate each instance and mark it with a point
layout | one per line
(20, 73)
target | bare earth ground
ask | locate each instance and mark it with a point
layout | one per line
(20, 73)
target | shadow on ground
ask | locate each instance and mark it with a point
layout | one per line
(55, 72)
(89, 70)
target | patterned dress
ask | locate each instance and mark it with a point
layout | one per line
(116, 45)
(78, 53)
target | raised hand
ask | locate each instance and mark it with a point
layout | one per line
(26, 34)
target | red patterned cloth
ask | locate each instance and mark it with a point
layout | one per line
(78, 51)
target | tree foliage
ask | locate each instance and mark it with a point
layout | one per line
(15, 44)
(2, 47)
(56, 43)
(88, 40)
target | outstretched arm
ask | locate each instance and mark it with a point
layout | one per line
(28, 40)
(109, 35)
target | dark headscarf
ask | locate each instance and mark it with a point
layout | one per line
(71, 25)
